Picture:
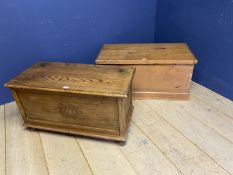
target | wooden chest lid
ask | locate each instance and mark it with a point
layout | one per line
(75, 78)
(174, 53)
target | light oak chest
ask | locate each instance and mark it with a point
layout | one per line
(81, 99)
(162, 70)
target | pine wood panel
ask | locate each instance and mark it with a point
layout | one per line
(162, 78)
(208, 116)
(63, 155)
(162, 70)
(157, 53)
(188, 158)
(145, 157)
(24, 152)
(75, 78)
(105, 157)
(212, 99)
(207, 139)
(2, 141)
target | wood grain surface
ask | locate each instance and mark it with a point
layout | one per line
(105, 158)
(165, 138)
(172, 53)
(24, 153)
(63, 155)
(172, 142)
(206, 138)
(163, 71)
(75, 78)
(144, 156)
(218, 102)
(103, 111)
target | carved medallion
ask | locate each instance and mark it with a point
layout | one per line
(69, 110)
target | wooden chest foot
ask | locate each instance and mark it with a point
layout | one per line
(122, 143)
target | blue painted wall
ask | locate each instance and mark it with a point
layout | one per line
(67, 30)
(207, 26)
(73, 31)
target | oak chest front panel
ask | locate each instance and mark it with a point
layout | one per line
(96, 114)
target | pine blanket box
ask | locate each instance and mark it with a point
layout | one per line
(162, 70)
(89, 100)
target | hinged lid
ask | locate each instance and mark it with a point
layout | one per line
(174, 53)
(75, 78)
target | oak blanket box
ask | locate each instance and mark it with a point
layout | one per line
(89, 100)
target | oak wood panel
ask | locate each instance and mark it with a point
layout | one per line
(212, 99)
(56, 119)
(125, 111)
(128, 109)
(79, 110)
(128, 102)
(144, 156)
(2, 141)
(83, 132)
(122, 117)
(157, 53)
(24, 152)
(105, 157)
(207, 139)
(63, 155)
(72, 128)
(221, 123)
(188, 158)
(75, 78)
